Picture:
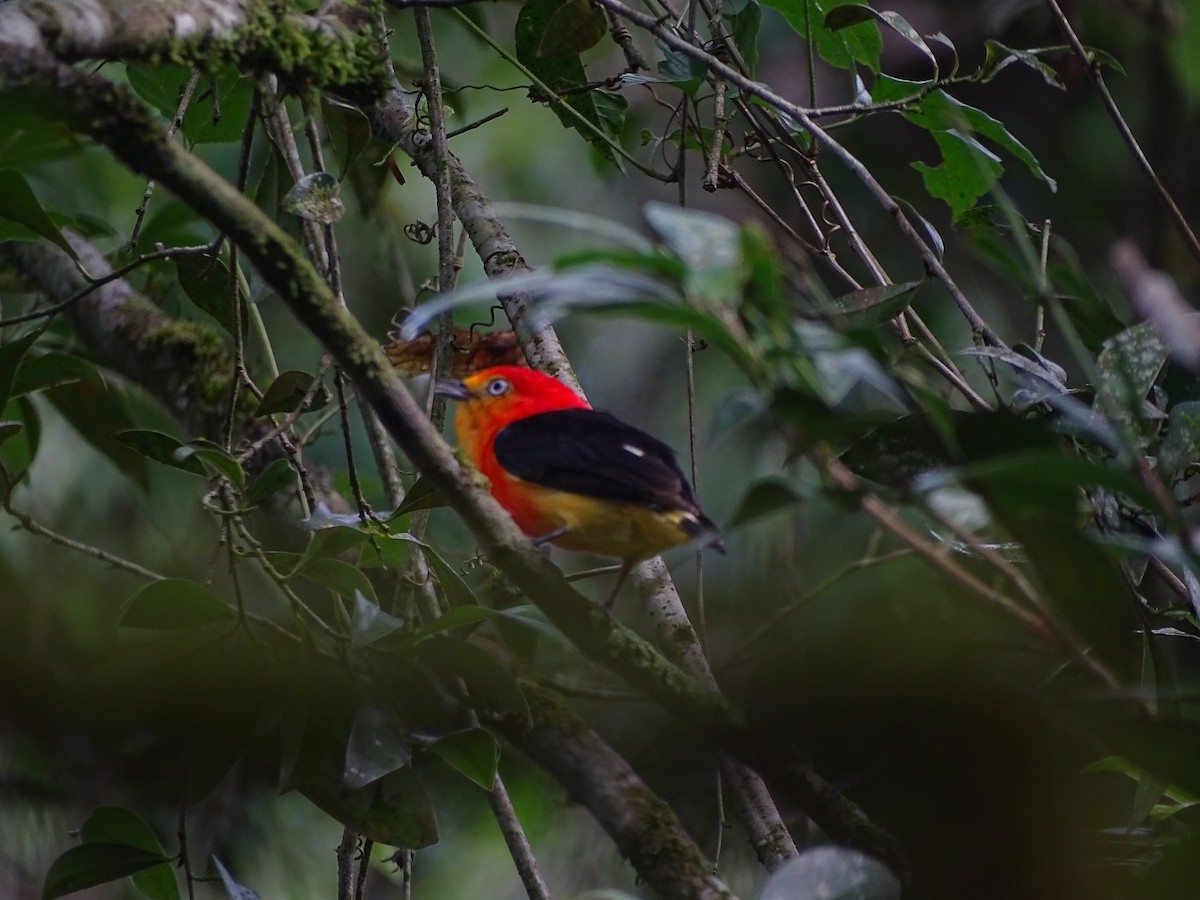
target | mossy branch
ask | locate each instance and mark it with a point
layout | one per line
(122, 123)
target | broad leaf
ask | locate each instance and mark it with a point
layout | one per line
(88, 865)
(473, 752)
(174, 603)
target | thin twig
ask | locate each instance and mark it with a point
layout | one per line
(176, 123)
(31, 525)
(1092, 65)
(517, 841)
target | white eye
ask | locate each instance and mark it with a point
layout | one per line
(498, 387)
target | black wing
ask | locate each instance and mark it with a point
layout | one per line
(583, 451)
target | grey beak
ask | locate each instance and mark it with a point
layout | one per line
(453, 389)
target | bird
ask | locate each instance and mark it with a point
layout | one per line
(574, 476)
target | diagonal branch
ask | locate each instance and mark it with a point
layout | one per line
(119, 121)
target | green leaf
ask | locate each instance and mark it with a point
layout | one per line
(858, 43)
(227, 92)
(340, 577)
(286, 392)
(162, 448)
(710, 247)
(1181, 445)
(20, 446)
(744, 26)
(1128, 365)
(850, 15)
(116, 825)
(349, 132)
(473, 752)
(327, 543)
(97, 413)
(275, 477)
(19, 204)
(369, 623)
(999, 56)
(681, 70)
(422, 495)
(563, 74)
(9, 428)
(459, 617)
(485, 678)
(95, 863)
(206, 283)
(50, 370)
(875, 305)
(377, 746)
(174, 603)
(11, 356)
(216, 458)
(968, 171)
(393, 810)
(940, 113)
(570, 28)
(455, 589)
(765, 497)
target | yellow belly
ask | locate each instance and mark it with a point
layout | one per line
(609, 528)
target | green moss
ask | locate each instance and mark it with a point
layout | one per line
(197, 372)
(306, 59)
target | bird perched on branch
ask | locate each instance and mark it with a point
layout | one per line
(573, 476)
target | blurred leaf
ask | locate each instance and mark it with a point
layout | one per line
(859, 43)
(115, 825)
(19, 204)
(233, 890)
(9, 428)
(486, 679)
(377, 745)
(766, 496)
(98, 414)
(709, 246)
(206, 283)
(275, 477)
(473, 752)
(316, 197)
(875, 305)
(20, 446)
(369, 623)
(11, 356)
(340, 577)
(1128, 365)
(162, 448)
(174, 603)
(96, 863)
(831, 873)
(458, 617)
(285, 393)
(735, 411)
(393, 810)
(49, 370)
(1181, 445)
(327, 543)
